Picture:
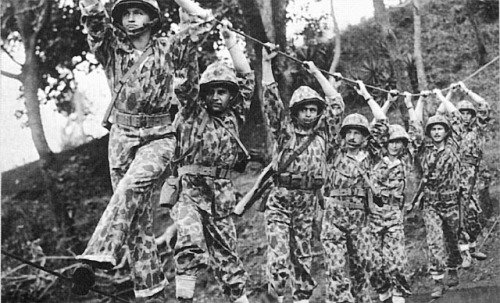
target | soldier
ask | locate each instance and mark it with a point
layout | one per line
(471, 156)
(440, 200)
(299, 165)
(140, 69)
(345, 231)
(389, 178)
(209, 150)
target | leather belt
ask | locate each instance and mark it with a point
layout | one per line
(350, 205)
(142, 120)
(438, 196)
(470, 160)
(298, 181)
(348, 192)
(214, 172)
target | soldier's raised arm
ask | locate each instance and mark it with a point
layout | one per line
(272, 103)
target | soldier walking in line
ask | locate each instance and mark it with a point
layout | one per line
(209, 149)
(140, 69)
(471, 149)
(301, 140)
(345, 229)
(389, 177)
(439, 198)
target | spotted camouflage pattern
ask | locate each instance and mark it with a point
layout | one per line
(345, 232)
(203, 239)
(441, 216)
(137, 159)
(138, 156)
(386, 222)
(218, 72)
(205, 203)
(304, 93)
(290, 212)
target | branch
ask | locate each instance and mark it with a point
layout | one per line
(44, 16)
(10, 56)
(18, 77)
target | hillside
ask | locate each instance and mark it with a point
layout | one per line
(29, 226)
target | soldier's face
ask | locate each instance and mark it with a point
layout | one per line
(466, 115)
(354, 138)
(134, 18)
(438, 133)
(218, 98)
(307, 113)
(395, 147)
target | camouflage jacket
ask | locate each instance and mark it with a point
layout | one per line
(389, 177)
(445, 176)
(218, 147)
(150, 90)
(288, 136)
(473, 140)
(343, 172)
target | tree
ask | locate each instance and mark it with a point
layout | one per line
(417, 45)
(336, 52)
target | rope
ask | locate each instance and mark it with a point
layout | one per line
(22, 260)
(343, 78)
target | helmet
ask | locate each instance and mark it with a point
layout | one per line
(305, 94)
(396, 132)
(219, 73)
(483, 110)
(355, 121)
(466, 105)
(149, 6)
(436, 119)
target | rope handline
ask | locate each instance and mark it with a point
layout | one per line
(347, 79)
(42, 268)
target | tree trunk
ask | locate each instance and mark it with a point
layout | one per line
(382, 19)
(481, 49)
(417, 45)
(337, 50)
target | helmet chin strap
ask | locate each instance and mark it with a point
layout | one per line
(138, 31)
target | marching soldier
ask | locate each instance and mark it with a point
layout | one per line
(140, 69)
(440, 192)
(345, 229)
(209, 150)
(299, 164)
(389, 177)
(471, 156)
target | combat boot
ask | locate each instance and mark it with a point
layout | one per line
(466, 259)
(452, 279)
(438, 290)
(477, 254)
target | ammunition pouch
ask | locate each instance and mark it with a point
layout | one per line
(298, 181)
(200, 170)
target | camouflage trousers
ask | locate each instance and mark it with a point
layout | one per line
(289, 221)
(472, 206)
(137, 158)
(346, 240)
(441, 221)
(388, 251)
(203, 231)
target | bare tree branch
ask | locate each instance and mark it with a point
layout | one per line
(43, 18)
(18, 77)
(10, 56)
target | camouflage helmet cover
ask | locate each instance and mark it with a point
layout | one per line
(466, 105)
(436, 119)
(149, 6)
(219, 73)
(397, 131)
(305, 94)
(356, 121)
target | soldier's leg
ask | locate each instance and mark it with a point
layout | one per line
(360, 262)
(378, 278)
(190, 249)
(303, 210)
(396, 260)
(334, 242)
(278, 240)
(451, 233)
(437, 250)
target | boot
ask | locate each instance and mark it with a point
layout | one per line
(477, 254)
(83, 279)
(466, 259)
(438, 290)
(452, 279)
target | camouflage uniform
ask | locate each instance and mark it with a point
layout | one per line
(345, 230)
(137, 155)
(441, 201)
(206, 201)
(386, 221)
(291, 207)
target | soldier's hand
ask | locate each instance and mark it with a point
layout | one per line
(269, 51)
(227, 33)
(310, 67)
(407, 99)
(438, 93)
(462, 86)
(455, 86)
(361, 90)
(392, 95)
(425, 93)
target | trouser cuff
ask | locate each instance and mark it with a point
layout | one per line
(184, 286)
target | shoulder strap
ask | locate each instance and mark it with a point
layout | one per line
(295, 154)
(234, 135)
(131, 70)
(365, 175)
